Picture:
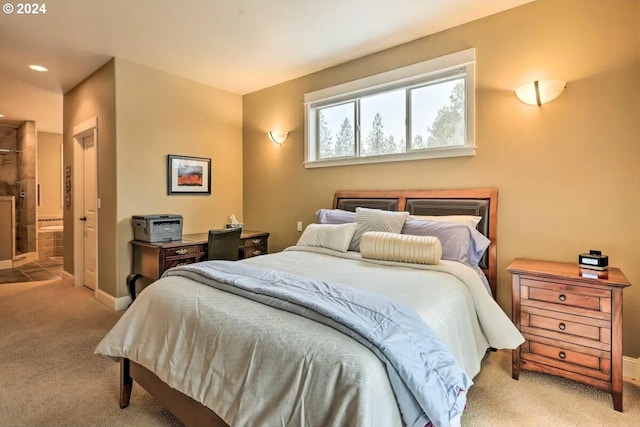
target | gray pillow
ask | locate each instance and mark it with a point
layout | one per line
(376, 220)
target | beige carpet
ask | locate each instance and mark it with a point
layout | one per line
(49, 375)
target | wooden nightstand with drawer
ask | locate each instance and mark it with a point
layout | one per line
(572, 322)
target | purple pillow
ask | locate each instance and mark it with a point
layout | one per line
(335, 216)
(459, 241)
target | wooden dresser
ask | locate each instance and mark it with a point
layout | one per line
(571, 319)
(150, 260)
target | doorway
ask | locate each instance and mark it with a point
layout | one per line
(85, 196)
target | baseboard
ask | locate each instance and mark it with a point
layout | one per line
(67, 278)
(112, 302)
(631, 368)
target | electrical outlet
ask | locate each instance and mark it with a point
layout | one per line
(299, 226)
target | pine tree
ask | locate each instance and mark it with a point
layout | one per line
(390, 145)
(344, 141)
(448, 128)
(418, 142)
(375, 143)
(327, 147)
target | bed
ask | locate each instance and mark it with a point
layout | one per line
(213, 357)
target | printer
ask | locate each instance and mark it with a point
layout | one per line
(157, 228)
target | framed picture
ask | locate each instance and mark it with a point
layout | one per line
(188, 175)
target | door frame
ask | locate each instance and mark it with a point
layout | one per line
(80, 131)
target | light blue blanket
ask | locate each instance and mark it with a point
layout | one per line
(428, 383)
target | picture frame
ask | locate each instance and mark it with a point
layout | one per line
(188, 175)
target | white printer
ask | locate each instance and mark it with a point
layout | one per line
(157, 228)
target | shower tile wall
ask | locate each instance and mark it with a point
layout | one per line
(8, 161)
(26, 206)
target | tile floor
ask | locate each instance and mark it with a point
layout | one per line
(47, 268)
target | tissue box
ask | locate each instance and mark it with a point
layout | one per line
(237, 225)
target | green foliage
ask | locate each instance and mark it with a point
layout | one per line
(448, 128)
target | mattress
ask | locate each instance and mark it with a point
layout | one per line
(256, 365)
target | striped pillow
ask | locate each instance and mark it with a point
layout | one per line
(376, 220)
(401, 247)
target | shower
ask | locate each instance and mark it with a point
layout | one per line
(18, 161)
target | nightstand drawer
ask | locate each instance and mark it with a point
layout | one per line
(566, 326)
(562, 355)
(566, 295)
(585, 361)
(552, 323)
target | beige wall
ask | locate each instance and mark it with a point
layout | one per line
(95, 97)
(49, 174)
(567, 172)
(160, 114)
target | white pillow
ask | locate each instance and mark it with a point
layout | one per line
(330, 236)
(376, 220)
(401, 247)
(471, 220)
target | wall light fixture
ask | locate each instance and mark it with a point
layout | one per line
(540, 91)
(278, 136)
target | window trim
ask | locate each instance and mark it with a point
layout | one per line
(400, 77)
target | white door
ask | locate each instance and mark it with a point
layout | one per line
(89, 191)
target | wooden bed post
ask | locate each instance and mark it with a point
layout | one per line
(126, 382)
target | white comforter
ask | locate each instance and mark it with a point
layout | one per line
(256, 365)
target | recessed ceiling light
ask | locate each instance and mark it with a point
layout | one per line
(38, 68)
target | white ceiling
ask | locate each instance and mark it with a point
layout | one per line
(236, 45)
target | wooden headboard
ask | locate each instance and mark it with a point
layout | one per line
(479, 202)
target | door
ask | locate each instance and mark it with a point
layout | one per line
(89, 191)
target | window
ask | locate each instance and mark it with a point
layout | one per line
(422, 111)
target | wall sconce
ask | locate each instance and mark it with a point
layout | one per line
(540, 91)
(278, 136)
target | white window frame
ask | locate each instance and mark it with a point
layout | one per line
(408, 76)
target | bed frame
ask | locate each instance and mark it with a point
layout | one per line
(478, 202)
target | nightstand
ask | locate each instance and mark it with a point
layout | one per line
(571, 319)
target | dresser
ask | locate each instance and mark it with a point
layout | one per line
(151, 260)
(571, 319)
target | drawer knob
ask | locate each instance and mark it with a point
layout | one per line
(256, 241)
(182, 263)
(562, 326)
(562, 355)
(257, 252)
(181, 251)
(562, 297)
